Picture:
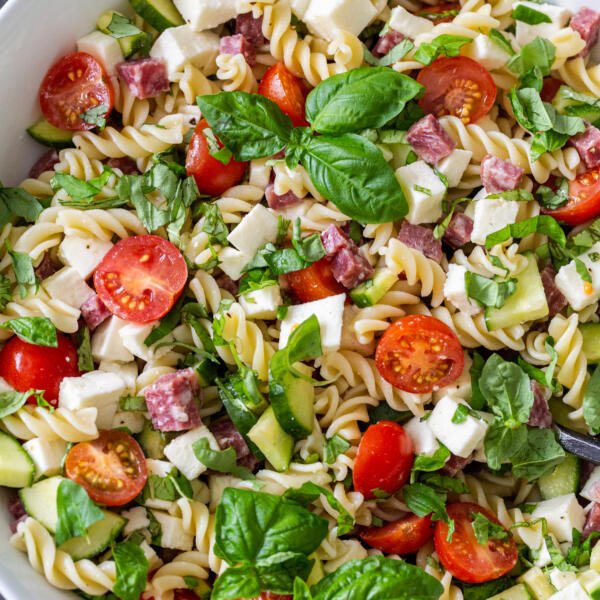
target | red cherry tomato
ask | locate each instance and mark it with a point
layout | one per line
(419, 354)
(26, 366)
(584, 199)
(140, 278)
(73, 85)
(314, 282)
(111, 468)
(212, 176)
(184, 595)
(550, 88)
(405, 536)
(464, 556)
(287, 91)
(384, 459)
(457, 86)
(442, 13)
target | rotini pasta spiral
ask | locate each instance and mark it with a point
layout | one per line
(236, 73)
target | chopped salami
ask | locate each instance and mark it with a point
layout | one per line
(251, 29)
(456, 463)
(238, 44)
(540, 415)
(554, 297)
(349, 268)
(587, 145)
(586, 22)
(47, 267)
(228, 436)
(430, 140)
(226, 283)
(387, 42)
(145, 77)
(458, 232)
(126, 165)
(94, 312)
(44, 163)
(592, 520)
(172, 401)
(499, 175)
(277, 202)
(334, 240)
(421, 238)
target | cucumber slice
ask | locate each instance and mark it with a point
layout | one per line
(371, 291)
(516, 592)
(537, 583)
(293, 401)
(45, 133)
(591, 342)
(161, 14)
(130, 44)
(39, 501)
(99, 536)
(564, 479)
(207, 371)
(17, 469)
(153, 442)
(272, 440)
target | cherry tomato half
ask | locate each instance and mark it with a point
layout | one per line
(287, 91)
(73, 85)
(442, 13)
(464, 556)
(314, 282)
(212, 176)
(384, 459)
(405, 536)
(26, 366)
(111, 468)
(140, 278)
(457, 86)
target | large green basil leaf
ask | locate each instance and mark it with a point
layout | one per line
(539, 455)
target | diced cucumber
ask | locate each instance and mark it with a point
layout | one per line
(293, 400)
(560, 413)
(516, 592)
(17, 469)
(564, 479)
(161, 14)
(371, 291)
(590, 581)
(99, 536)
(39, 501)
(537, 583)
(591, 342)
(207, 372)
(566, 104)
(48, 135)
(528, 303)
(272, 440)
(403, 154)
(153, 442)
(129, 44)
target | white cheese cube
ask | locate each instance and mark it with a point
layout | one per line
(133, 421)
(128, 372)
(454, 166)
(422, 437)
(490, 215)
(161, 468)
(486, 52)
(137, 518)
(262, 303)
(232, 262)
(83, 253)
(299, 7)
(104, 48)
(133, 336)
(573, 591)
(591, 489)
(107, 343)
(460, 438)
(327, 19)
(526, 33)
(455, 290)
(561, 579)
(68, 285)
(424, 192)
(562, 514)
(256, 229)
(173, 534)
(408, 24)
(206, 14)
(544, 558)
(461, 388)
(180, 453)
(177, 46)
(580, 293)
(47, 455)
(330, 314)
(217, 485)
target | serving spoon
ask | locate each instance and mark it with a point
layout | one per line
(579, 444)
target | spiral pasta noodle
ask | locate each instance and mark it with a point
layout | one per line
(235, 73)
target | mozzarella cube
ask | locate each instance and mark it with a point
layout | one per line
(160, 468)
(299, 7)
(526, 33)
(573, 591)
(68, 285)
(563, 514)
(461, 388)
(408, 24)
(232, 262)
(128, 372)
(180, 452)
(177, 46)
(173, 534)
(137, 518)
(454, 166)
(107, 343)
(490, 215)
(327, 19)
(460, 438)
(256, 229)
(330, 314)
(591, 489)
(47, 455)
(544, 558)
(422, 437)
(262, 303)
(455, 291)
(580, 293)
(424, 192)
(206, 14)
(486, 52)
(133, 421)
(83, 253)
(104, 48)
(561, 579)
(133, 336)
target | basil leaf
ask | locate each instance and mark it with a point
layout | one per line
(309, 248)
(541, 224)
(133, 404)
(120, 26)
(430, 463)
(460, 414)
(169, 488)
(445, 44)
(85, 361)
(384, 412)
(591, 402)
(131, 187)
(96, 115)
(501, 442)
(529, 109)
(570, 102)
(547, 141)
(167, 323)
(18, 202)
(563, 123)
(424, 500)
(237, 582)
(11, 401)
(486, 530)
(517, 195)
(256, 279)
(35, 330)
(301, 590)
(5, 291)
(132, 570)
(478, 401)
(483, 591)
(76, 512)
(444, 482)
(91, 203)
(487, 292)
(501, 41)
(538, 456)
(536, 57)
(352, 173)
(222, 461)
(529, 15)
(76, 188)
(217, 151)
(334, 446)
(550, 198)
(582, 270)
(23, 269)
(398, 52)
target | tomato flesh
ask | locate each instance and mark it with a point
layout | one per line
(140, 278)
(405, 536)
(442, 13)
(314, 282)
(111, 468)
(26, 366)
(419, 354)
(384, 459)
(464, 556)
(73, 85)
(457, 86)
(287, 91)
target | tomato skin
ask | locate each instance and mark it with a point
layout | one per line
(550, 87)
(287, 91)
(444, 94)
(430, 11)
(384, 459)
(314, 282)
(27, 366)
(405, 536)
(111, 468)
(140, 278)
(212, 177)
(419, 354)
(72, 85)
(464, 557)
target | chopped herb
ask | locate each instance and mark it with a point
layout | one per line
(95, 115)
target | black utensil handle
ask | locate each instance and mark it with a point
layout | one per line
(581, 445)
